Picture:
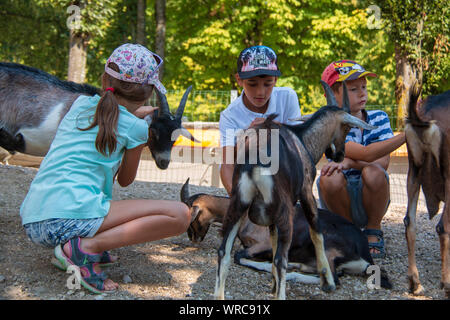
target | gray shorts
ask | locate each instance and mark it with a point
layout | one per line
(52, 232)
(354, 189)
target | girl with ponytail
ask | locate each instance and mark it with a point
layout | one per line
(69, 205)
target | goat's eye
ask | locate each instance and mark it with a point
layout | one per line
(154, 134)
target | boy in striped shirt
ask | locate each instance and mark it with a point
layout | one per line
(358, 187)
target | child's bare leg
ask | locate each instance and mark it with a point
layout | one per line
(136, 221)
(334, 192)
(375, 196)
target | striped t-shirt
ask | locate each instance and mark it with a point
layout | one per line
(383, 132)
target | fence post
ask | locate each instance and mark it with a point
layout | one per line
(233, 95)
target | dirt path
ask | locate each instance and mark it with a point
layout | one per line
(176, 269)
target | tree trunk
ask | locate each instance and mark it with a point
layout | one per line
(160, 41)
(77, 57)
(140, 25)
(406, 75)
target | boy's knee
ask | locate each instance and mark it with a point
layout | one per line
(332, 183)
(374, 176)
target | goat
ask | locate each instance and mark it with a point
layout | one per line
(33, 103)
(269, 198)
(428, 142)
(346, 247)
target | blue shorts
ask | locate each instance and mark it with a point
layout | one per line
(354, 189)
(52, 232)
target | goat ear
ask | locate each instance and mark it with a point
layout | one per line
(154, 133)
(185, 133)
(352, 121)
(183, 101)
(195, 210)
(345, 100)
(148, 118)
(331, 99)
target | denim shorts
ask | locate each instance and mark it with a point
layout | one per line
(354, 189)
(53, 232)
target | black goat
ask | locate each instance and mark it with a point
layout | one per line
(33, 103)
(428, 141)
(269, 198)
(346, 247)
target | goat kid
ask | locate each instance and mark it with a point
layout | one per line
(33, 103)
(269, 198)
(428, 142)
(346, 247)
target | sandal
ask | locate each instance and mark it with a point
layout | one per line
(93, 281)
(379, 245)
(105, 261)
(90, 279)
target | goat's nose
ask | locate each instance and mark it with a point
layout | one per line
(164, 163)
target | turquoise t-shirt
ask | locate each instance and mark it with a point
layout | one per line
(75, 180)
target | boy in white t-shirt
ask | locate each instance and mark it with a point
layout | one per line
(257, 74)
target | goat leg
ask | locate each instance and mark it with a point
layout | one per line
(413, 189)
(323, 267)
(229, 235)
(443, 229)
(274, 240)
(281, 236)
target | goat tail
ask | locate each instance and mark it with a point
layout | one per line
(412, 106)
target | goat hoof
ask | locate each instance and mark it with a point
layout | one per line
(328, 288)
(415, 287)
(446, 287)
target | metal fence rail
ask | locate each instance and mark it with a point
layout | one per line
(206, 105)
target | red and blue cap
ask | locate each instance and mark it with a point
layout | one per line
(257, 61)
(344, 70)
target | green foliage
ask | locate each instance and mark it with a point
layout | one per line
(204, 38)
(34, 34)
(420, 29)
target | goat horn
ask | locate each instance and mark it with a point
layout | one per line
(164, 106)
(355, 122)
(302, 118)
(331, 99)
(345, 100)
(183, 101)
(184, 193)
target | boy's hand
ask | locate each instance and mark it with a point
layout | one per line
(330, 167)
(144, 111)
(256, 122)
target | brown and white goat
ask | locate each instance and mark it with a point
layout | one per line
(269, 198)
(428, 141)
(346, 247)
(33, 103)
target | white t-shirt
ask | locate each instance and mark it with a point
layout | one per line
(283, 102)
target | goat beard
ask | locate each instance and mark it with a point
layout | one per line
(336, 157)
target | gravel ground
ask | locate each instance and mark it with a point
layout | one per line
(177, 269)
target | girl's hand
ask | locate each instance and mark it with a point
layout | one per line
(144, 111)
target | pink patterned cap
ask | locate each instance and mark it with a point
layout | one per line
(136, 64)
